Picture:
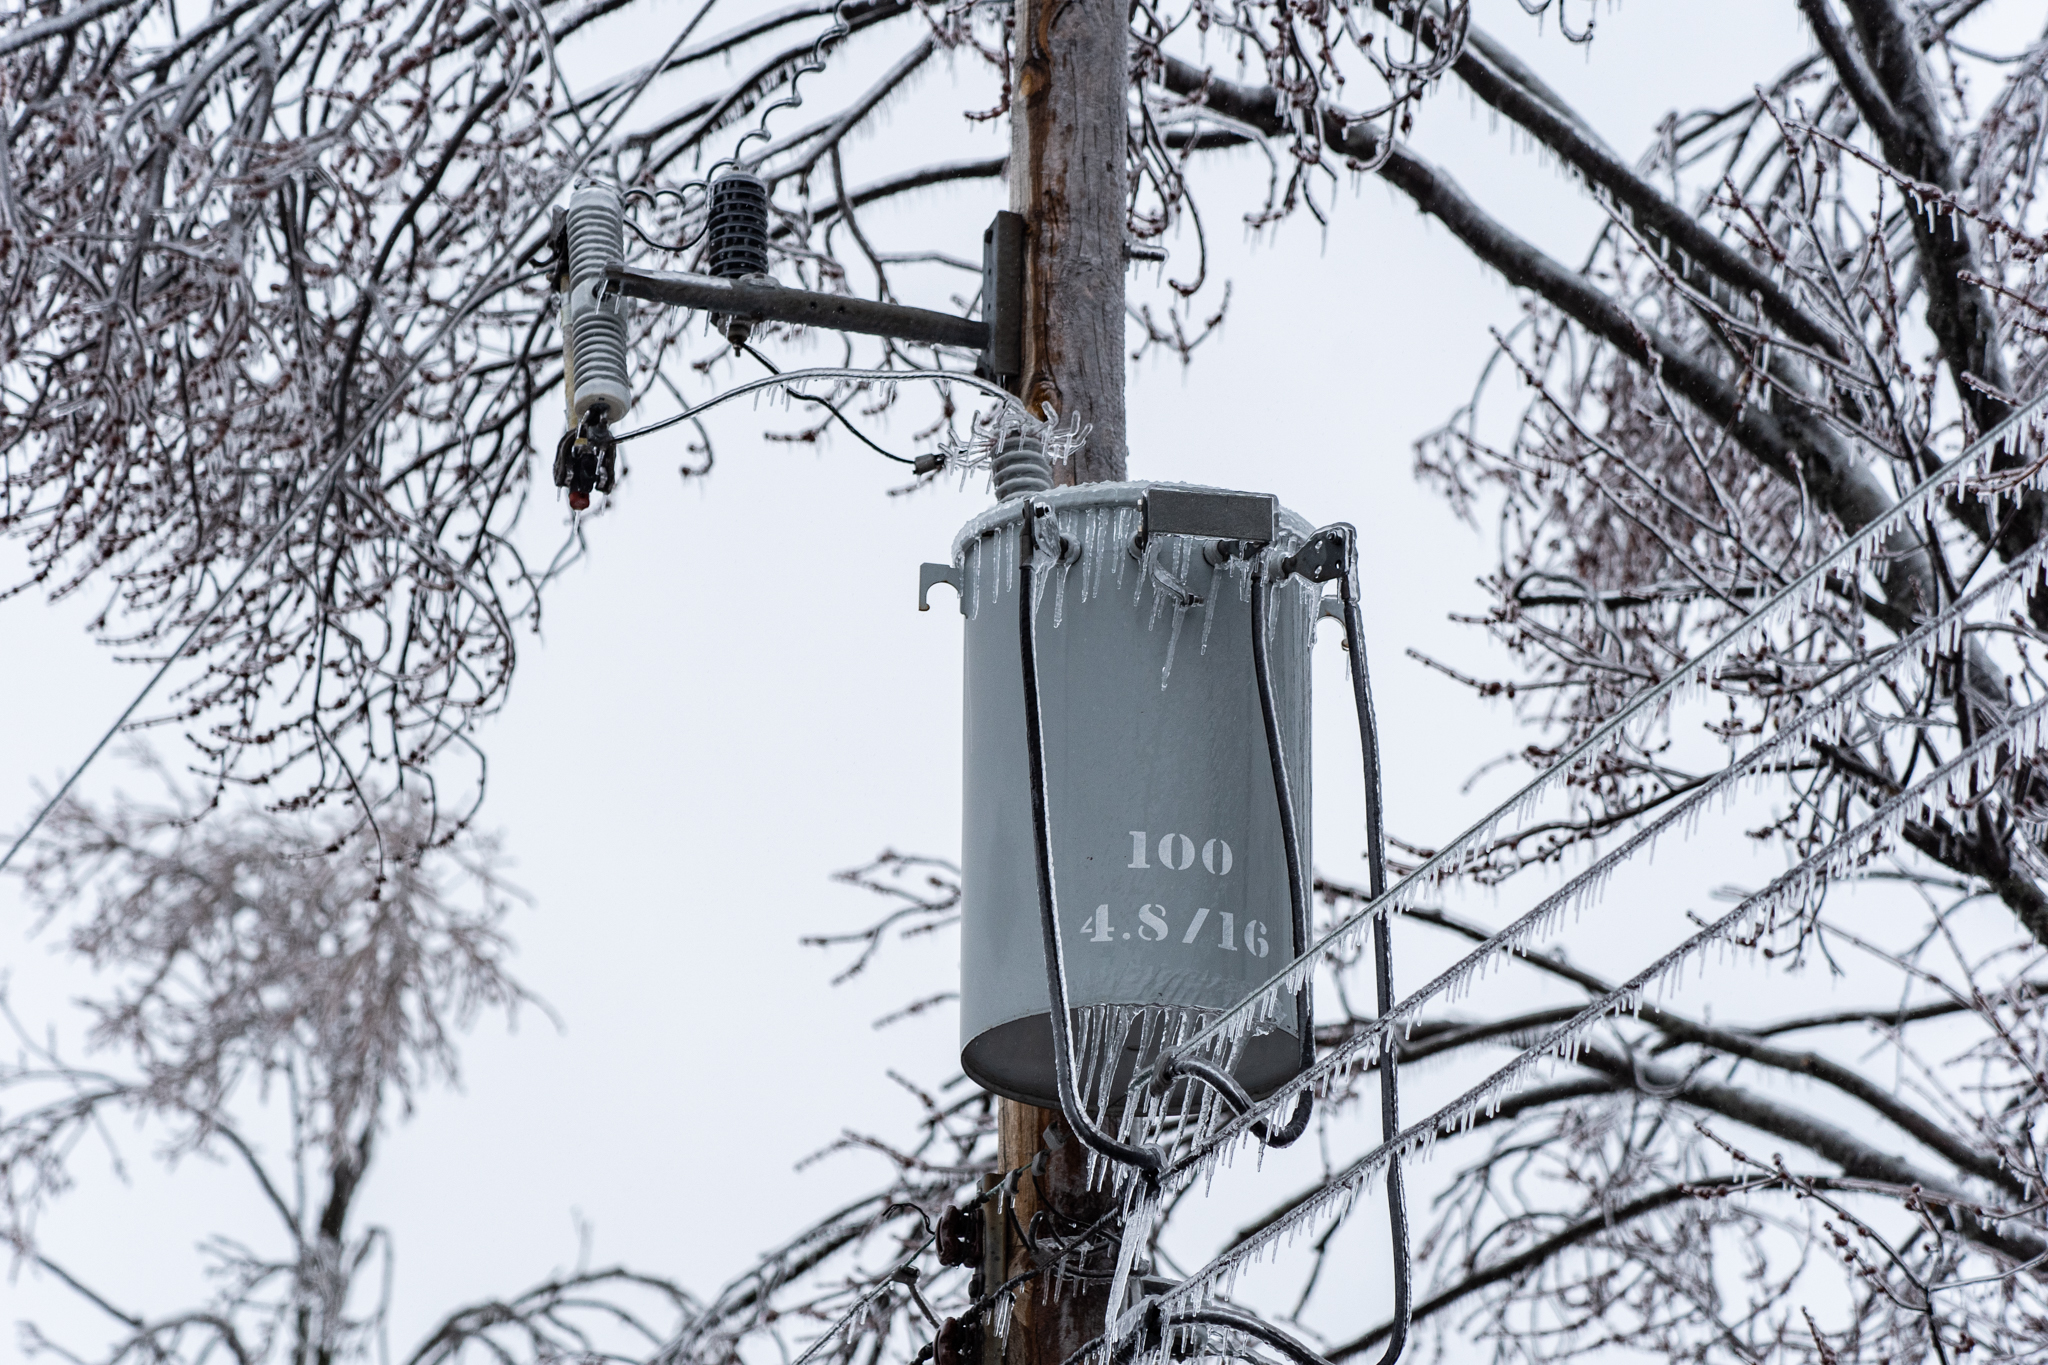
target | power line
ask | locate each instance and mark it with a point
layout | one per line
(1816, 866)
(1846, 555)
(827, 405)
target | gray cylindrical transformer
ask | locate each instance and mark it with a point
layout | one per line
(1168, 860)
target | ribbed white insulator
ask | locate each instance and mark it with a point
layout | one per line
(601, 361)
(597, 325)
(597, 232)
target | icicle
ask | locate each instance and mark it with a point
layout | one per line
(974, 577)
(1180, 612)
(1138, 1215)
(1059, 597)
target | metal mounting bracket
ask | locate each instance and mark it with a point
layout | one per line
(1210, 514)
(759, 301)
(998, 334)
(1319, 561)
(1002, 295)
(930, 576)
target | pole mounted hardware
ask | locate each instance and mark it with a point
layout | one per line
(1002, 296)
(588, 238)
(590, 274)
(1324, 558)
(758, 300)
(736, 242)
(749, 296)
(929, 576)
(958, 1342)
(959, 1236)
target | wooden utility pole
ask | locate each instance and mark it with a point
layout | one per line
(1068, 171)
(1067, 178)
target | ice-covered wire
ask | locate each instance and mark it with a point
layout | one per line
(811, 65)
(317, 490)
(995, 1189)
(1149, 1160)
(1846, 559)
(1936, 635)
(1796, 884)
(1834, 710)
(1351, 591)
(827, 404)
(1351, 595)
(1236, 1320)
(881, 1287)
(788, 377)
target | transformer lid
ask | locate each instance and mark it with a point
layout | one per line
(1289, 528)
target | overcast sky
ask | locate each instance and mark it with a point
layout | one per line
(734, 696)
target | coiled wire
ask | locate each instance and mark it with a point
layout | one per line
(794, 99)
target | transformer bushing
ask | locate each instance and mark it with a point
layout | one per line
(1019, 464)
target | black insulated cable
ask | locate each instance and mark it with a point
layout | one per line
(1352, 592)
(1146, 1159)
(826, 404)
(1290, 837)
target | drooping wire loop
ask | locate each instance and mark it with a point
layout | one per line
(1290, 839)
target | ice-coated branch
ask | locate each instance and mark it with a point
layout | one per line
(1791, 444)
(1901, 105)
(1427, 1041)
(1482, 66)
(1601, 1221)
(1857, 1158)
